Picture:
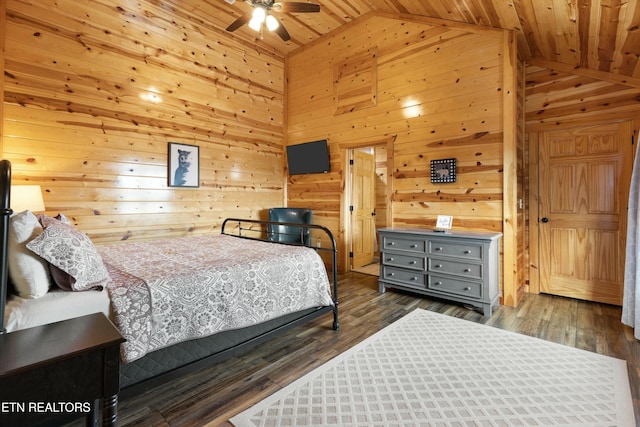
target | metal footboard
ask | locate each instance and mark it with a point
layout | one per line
(321, 239)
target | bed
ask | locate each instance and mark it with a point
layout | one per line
(181, 303)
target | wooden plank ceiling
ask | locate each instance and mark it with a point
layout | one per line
(596, 35)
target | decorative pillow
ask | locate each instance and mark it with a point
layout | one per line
(47, 220)
(71, 251)
(28, 272)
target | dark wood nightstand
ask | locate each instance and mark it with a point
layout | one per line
(60, 371)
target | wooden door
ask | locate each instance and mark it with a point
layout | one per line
(584, 186)
(363, 207)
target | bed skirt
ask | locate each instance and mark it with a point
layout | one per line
(139, 375)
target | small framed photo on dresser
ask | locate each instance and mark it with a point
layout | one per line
(443, 223)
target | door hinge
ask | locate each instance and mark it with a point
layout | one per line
(351, 162)
(351, 208)
(350, 254)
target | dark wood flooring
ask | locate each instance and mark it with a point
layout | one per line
(210, 397)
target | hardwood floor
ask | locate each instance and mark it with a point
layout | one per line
(212, 396)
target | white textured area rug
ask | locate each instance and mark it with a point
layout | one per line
(428, 369)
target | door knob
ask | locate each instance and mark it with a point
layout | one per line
(545, 219)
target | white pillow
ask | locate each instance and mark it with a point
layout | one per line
(29, 273)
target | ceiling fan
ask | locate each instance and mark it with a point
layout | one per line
(261, 15)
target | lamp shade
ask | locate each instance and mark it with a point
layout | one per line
(26, 197)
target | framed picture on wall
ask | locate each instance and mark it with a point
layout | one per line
(443, 170)
(183, 165)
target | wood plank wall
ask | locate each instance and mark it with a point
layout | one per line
(80, 119)
(75, 122)
(561, 97)
(438, 95)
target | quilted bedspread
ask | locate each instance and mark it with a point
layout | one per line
(171, 290)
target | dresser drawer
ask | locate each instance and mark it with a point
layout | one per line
(403, 276)
(406, 261)
(472, 271)
(456, 287)
(461, 250)
(404, 244)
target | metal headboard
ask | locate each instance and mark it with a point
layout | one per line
(5, 213)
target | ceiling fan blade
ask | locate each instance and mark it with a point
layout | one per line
(282, 32)
(239, 22)
(296, 7)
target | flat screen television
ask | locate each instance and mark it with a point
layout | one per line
(309, 157)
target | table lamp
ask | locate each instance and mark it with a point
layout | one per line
(26, 197)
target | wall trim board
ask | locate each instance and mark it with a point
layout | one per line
(510, 174)
(534, 215)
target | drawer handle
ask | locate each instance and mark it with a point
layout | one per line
(467, 270)
(414, 278)
(389, 259)
(414, 246)
(467, 252)
(467, 288)
(391, 243)
(390, 274)
(438, 265)
(438, 283)
(413, 263)
(438, 249)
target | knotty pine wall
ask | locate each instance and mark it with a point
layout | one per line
(79, 121)
(75, 121)
(436, 90)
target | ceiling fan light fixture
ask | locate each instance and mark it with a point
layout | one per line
(257, 18)
(272, 23)
(255, 25)
(260, 18)
(259, 14)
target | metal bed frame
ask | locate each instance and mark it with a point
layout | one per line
(244, 228)
(5, 212)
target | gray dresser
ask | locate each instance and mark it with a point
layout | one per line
(461, 266)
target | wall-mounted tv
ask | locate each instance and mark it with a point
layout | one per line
(309, 157)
